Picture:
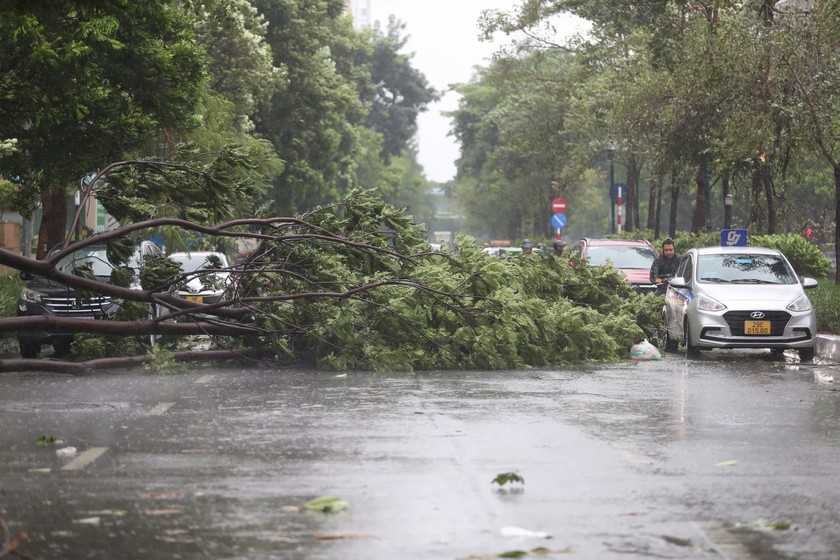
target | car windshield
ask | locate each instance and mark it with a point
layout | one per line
(191, 263)
(621, 256)
(745, 269)
(95, 257)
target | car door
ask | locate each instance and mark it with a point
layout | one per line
(676, 299)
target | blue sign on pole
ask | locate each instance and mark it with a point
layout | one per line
(614, 191)
(558, 220)
(733, 238)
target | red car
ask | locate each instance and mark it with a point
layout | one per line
(632, 257)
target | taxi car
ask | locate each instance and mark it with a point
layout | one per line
(738, 297)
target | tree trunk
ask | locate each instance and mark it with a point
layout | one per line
(653, 206)
(634, 172)
(658, 219)
(698, 220)
(836, 220)
(53, 221)
(675, 198)
(767, 180)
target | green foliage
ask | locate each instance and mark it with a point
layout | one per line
(826, 301)
(503, 478)
(10, 288)
(89, 82)
(327, 504)
(435, 310)
(805, 257)
(162, 361)
(158, 272)
(46, 440)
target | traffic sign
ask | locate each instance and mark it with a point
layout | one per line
(614, 191)
(558, 206)
(558, 220)
(733, 238)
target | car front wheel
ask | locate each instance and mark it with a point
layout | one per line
(691, 351)
(806, 354)
(29, 349)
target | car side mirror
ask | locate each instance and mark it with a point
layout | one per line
(25, 275)
(677, 282)
(809, 283)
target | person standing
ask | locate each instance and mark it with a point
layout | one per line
(664, 266)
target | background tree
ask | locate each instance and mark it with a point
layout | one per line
(314, 122)
(399, 93)
(240, 63)
(81, 83)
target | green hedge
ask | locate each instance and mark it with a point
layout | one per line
(806, 258)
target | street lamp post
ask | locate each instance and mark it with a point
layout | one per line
(727, 211)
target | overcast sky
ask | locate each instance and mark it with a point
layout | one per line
(444, 37)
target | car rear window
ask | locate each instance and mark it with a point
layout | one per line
(621, 256)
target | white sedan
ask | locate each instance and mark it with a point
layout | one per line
(206, 275)
(738, 297)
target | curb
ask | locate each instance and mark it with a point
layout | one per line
(828, 347)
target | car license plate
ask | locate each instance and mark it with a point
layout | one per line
(756, 327)
(200, 299)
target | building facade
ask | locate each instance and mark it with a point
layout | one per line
(360, 10)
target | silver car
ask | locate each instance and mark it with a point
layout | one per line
(738, 297)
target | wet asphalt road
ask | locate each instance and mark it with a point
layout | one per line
(669, 459)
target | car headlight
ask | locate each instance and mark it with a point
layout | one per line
(30, 296)
(802, 303)
(705, 303)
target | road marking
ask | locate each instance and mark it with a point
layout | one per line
(724, 541)
(205, 379)
(160, 408)
(84, 459)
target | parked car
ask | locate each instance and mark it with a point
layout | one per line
(42, 296)
(739, 297)
(207, 276)
(632, 257)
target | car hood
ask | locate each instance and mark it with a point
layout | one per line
(47, 286)
(637, 275)
(748, 295)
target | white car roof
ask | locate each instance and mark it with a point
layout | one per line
(737, 250)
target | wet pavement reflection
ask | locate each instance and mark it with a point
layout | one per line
(733, 455)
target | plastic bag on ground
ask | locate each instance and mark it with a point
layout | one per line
(644, 351)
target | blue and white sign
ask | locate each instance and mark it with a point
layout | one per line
(558, 221)
(733, 238)
(614, 190)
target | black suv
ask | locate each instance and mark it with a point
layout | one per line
(43, 296)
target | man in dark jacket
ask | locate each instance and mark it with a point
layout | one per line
(664, 266)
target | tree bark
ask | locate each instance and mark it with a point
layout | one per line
(675, 198)
(653, 210)
(836, 221)
(767, 181)
(658, 219)
(634, 171)
(698, 220)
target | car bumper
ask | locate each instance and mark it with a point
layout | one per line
(716, 329)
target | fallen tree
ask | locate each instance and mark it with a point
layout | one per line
(356, 286)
